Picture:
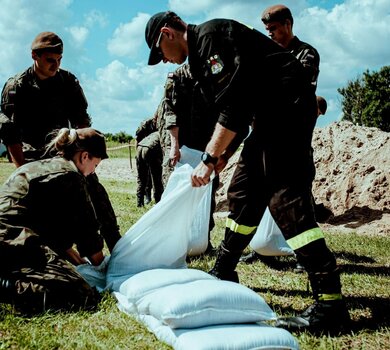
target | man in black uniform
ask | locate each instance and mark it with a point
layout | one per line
(40, 100)
(279, 21)
(248, 76)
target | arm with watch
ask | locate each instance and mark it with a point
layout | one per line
(221, 139)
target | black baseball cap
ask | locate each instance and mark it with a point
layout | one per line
(155, 23)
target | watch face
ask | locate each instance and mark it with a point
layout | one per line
(204, 157)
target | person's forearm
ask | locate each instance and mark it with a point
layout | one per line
(174, 134)
(220, 140)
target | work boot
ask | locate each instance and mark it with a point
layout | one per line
(140, 201)
(322, 316)
(148, 198)
(299, 268)
(328, 313)
(225, 264)
(7, 291)
(250, 258)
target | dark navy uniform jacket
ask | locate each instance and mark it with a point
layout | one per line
(250, 77)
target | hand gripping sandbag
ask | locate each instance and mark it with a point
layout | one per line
(159, 239)
(198, 234)
(268, 239)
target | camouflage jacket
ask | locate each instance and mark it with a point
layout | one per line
(145, 128)
(185, 107)
(32, 108)
(50, 199)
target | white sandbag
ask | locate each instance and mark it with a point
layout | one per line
(159, 238)
(204, 303)
(268, 239)
(219, 337)
(146, 282)
(234, 337)
(94, 275)
(198, 234)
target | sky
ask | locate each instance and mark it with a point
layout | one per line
(104, 46)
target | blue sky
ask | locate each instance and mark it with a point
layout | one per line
(104, 45)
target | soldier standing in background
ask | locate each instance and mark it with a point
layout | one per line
(279, 21)
(186, 118)
(149, 162)
(40, 100)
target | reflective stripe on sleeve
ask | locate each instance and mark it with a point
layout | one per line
(242, 229)
(305, 238)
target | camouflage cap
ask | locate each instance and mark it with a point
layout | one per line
(47, 41)
(276, 13)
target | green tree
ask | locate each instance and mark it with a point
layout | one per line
(366, 100)
(121, 137)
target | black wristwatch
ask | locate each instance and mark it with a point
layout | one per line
(207, 158)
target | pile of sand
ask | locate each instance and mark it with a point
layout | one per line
(352, 178)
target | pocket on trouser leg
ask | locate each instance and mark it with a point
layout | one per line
(58, 287)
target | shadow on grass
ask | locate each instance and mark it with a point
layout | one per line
(353, 265)
(375, 309)
(357, 216)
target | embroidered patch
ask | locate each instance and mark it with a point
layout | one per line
(216, 64)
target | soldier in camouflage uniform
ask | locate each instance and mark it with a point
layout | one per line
(185, 118)
(149, 162)
(45, 208)
(44, 98)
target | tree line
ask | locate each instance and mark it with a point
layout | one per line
(366, 100)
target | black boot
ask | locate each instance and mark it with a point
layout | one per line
(328, 313)
(225, 264)
(140, 201)
(7, 291)
(148, 198)
(250, 258)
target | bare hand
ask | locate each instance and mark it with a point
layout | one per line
(201, 174)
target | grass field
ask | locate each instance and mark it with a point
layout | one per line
(364, 261)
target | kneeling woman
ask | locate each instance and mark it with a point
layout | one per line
(46, 210)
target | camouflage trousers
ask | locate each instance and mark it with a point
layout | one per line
(56, 286)
(105, 214)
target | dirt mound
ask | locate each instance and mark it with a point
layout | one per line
(352, 177)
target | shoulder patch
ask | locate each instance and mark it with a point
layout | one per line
(215, 63)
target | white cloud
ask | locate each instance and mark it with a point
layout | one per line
(95, 16)
(119, 94)
(351, 37)
(129, 37)
(79, 35)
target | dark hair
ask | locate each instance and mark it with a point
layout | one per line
(67, 142)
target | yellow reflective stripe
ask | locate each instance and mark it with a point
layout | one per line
(325, 297)
(305, 238)
(244, 230)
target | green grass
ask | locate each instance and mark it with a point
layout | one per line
(366, 285)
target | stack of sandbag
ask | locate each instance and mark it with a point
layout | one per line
(185, 308)
(190, 309)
